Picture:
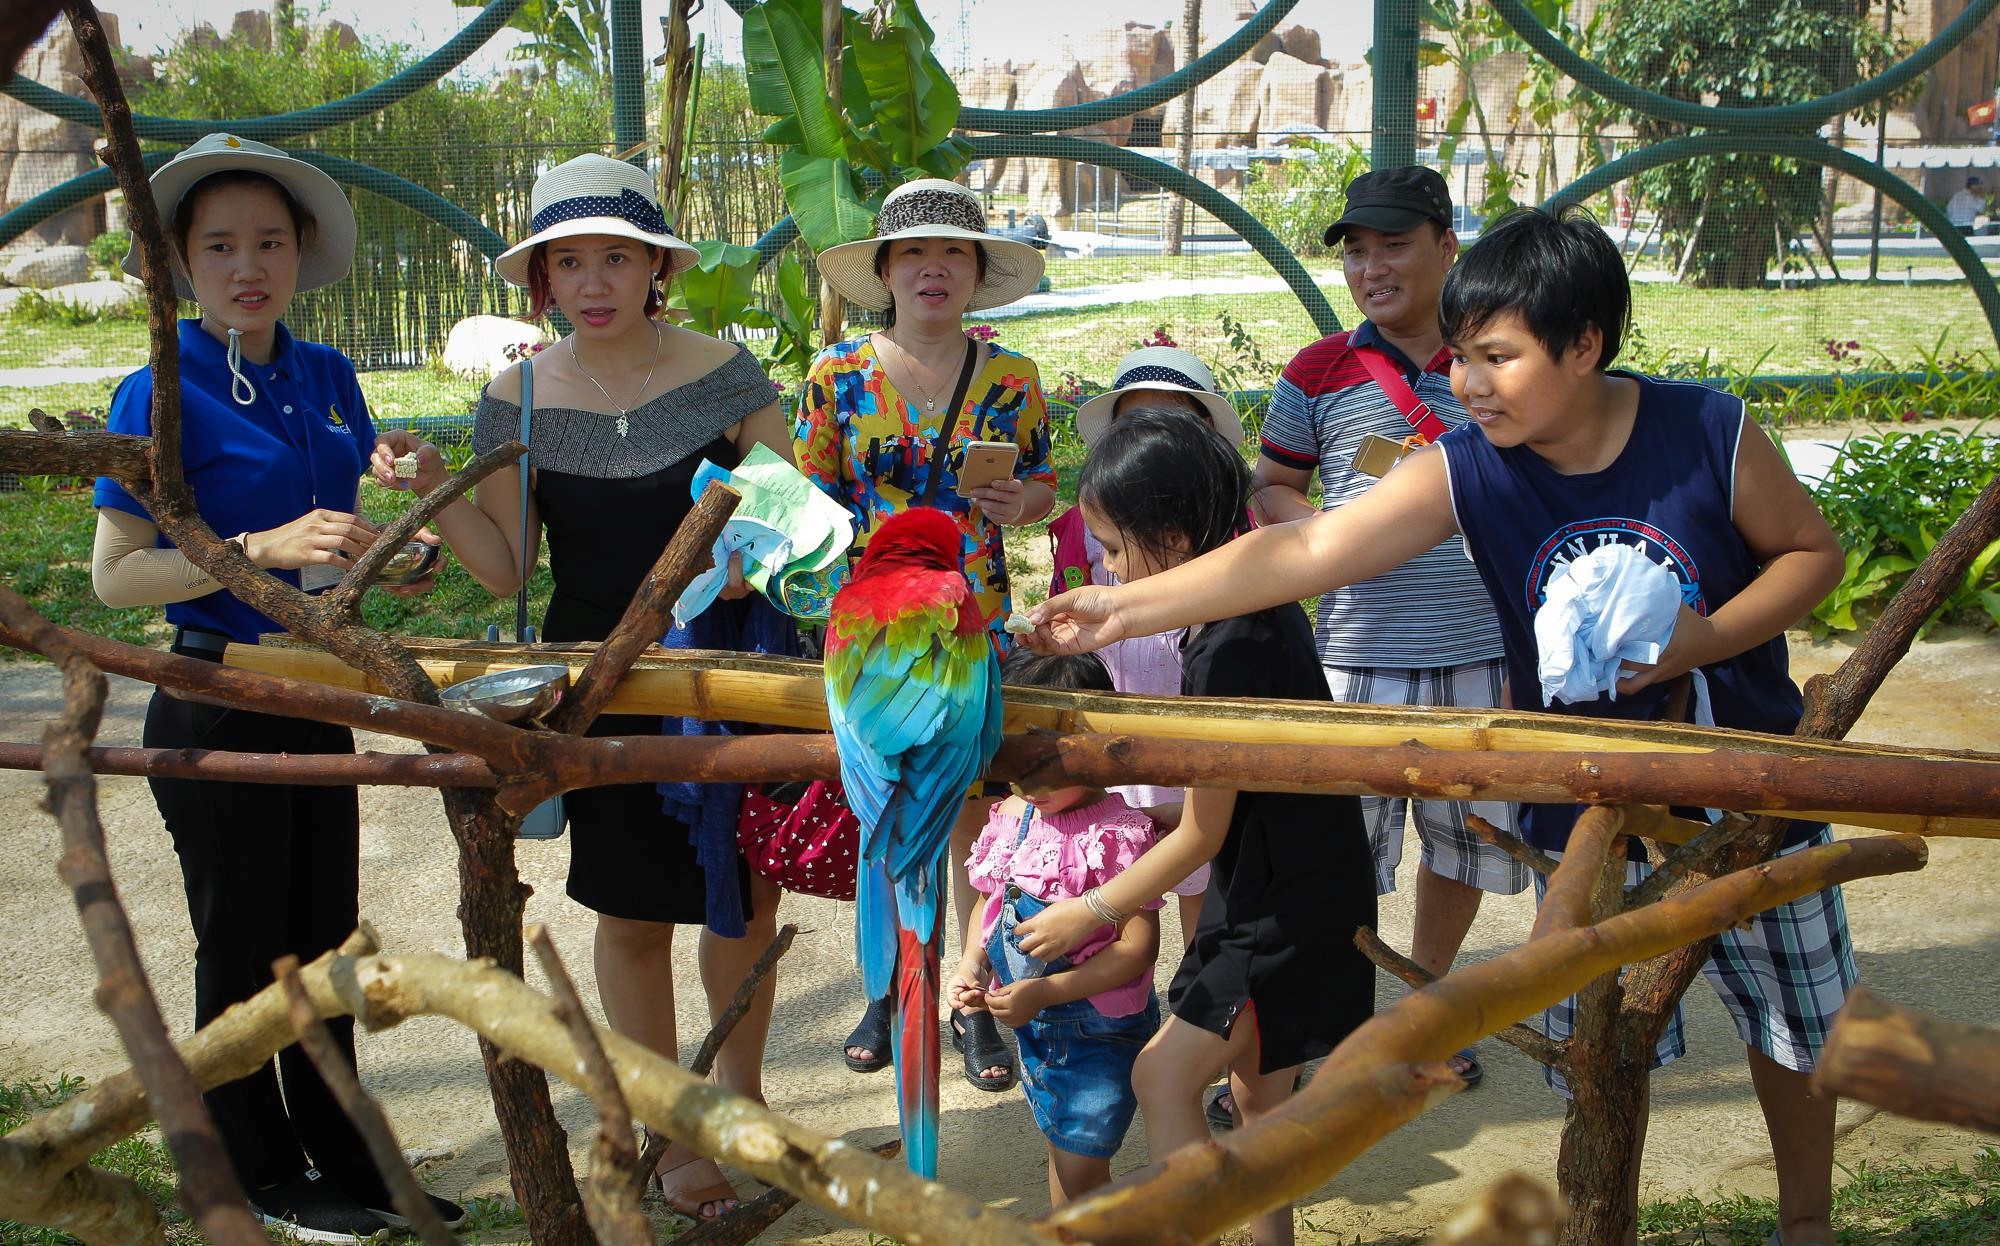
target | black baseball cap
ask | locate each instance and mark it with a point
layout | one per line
(1394, 201)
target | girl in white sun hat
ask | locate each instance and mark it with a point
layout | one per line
(884, 424)
(1164, 378)
(276, 435)
(623, 411)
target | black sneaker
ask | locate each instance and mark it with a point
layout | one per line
(309, 1208)
(451, 1213)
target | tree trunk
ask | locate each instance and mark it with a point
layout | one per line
(491, 901)
(1190, 48)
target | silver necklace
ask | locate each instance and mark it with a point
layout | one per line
(930, 403)
(624, 424)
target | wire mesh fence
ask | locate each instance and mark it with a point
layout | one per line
(1741, 264)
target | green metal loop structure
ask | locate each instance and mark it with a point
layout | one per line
(1776, 129)
(1125, 104)
(1794, 147)
(281, 126)
(1772, 130)
(1803, 114)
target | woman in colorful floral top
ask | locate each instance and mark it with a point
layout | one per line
(883, 425)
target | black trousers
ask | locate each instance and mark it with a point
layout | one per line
(269, 870)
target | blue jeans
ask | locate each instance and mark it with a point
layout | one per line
(1076, 1063)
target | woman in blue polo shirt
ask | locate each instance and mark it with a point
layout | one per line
(275, 438)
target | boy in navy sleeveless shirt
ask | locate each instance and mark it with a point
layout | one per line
(1564, 456)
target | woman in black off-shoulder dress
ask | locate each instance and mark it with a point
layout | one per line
(626, 408)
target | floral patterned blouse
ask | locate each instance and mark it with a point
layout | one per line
(869, 448)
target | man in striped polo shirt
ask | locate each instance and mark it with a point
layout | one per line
(1425, 633)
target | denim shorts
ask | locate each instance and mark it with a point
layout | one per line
(1076, 1063)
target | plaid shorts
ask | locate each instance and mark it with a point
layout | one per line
(1449, 849)
(1783, 978)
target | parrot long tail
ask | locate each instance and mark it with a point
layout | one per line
(875, 928)
(918, 1045)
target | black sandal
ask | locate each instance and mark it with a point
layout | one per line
(976, 1035)
(873, 1036)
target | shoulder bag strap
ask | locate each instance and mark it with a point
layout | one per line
(1389, 379)
(949, 423)
(527, 422)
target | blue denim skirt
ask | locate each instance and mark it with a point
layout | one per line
(1076, 1063)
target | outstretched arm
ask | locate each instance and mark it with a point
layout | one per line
(1406, 514)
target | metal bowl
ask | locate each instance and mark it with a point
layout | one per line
(411, 563)
(511, 695)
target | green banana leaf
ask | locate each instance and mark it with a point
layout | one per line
(915, 104)
(720, 289)
(826, 199)
(781, 53)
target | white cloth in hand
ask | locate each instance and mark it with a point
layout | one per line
(1610, 606)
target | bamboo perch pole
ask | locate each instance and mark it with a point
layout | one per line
(791, 693)
(1857, 786)
(1912, 1063)
(1361, 1094)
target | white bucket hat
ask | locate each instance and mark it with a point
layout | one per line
(322, 261)
(594, 194)
(1167, 369)
(931, 207)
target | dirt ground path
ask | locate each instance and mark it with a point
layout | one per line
(1928, 939)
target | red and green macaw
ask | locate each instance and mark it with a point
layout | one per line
(913, 689)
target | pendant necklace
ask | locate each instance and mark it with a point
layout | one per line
(930, 403)
(623, 424)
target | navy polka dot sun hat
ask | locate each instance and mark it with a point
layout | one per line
(594, 194)
(1166, 369)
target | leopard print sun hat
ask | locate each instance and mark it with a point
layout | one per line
(932, 208)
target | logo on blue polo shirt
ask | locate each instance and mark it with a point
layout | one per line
(334, 421)
(1577, 539)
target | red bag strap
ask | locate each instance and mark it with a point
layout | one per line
(1389, 379)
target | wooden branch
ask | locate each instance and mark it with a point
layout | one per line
(507, 747)
(124, 458)
(617, 1179)
(1516, 1210)
(64, 1137)
(1356, 1097)
(209, 1189)
(142, 216)
(1834, 702)
(404, 1192)
(1695, 861)
(89, 1204)
(342, 602)
(1573, 888)
(751, 1218)
(746, 991)
(1912, 1063)
(1530, 1043)
(688, 554)
(1938, 795)
(321, 770)
(1513, 845)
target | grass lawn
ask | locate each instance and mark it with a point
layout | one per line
(1740, 331)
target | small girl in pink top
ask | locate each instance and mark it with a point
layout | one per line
(1162, 377)
(1081, 1020)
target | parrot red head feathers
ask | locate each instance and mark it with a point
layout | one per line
(918, 537)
